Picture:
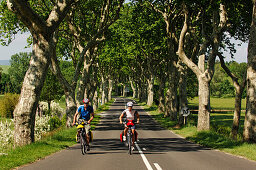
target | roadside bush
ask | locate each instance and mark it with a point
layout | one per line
(7, 105)
(41, 126)
(6, 135)
(54, 122)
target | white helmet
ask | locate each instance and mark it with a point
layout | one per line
(130, 104)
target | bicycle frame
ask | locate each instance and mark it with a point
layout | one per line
(83, 137)
(129, 124)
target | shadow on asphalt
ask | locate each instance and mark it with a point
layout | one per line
(152, 145)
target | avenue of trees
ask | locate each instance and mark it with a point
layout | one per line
(165, 51)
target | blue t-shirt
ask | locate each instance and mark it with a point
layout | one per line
(85, 112)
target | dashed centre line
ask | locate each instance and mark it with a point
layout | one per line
(144, 157)
(157, 166)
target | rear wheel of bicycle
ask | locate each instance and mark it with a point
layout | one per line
(83, 143)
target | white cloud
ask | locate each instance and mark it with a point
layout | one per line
(17, 46)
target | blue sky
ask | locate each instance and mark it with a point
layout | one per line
(21, 41)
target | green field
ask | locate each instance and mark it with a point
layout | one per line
(5, 68)
(219, 103)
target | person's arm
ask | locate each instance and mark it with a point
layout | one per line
(121, 117)
(92, 117)
(138, 117)
(74, 120)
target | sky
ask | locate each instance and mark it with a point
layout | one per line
(21, 41)
(16, 46)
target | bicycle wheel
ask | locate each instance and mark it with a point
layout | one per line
(130, 144)
(83, 142)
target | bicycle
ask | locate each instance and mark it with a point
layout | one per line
(82, 135)
(129, 135)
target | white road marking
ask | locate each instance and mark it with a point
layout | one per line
(144, 158)
(157, 166)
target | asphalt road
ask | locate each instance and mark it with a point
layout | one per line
(156, 149)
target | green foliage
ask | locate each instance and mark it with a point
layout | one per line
(7, 105)
(10, 25)
(51, 89)
(55, 122)
(222, 85)
(19, 66)
(64, 119)
(5, 84)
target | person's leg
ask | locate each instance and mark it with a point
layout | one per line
(133, 136)
(125, 131)
(87, 129)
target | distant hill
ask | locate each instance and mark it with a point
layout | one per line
(4, 62)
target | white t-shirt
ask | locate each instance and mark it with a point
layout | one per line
(129, 114)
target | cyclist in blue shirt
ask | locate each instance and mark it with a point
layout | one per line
(86, 113)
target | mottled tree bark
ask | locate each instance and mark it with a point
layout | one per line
(110, 89)
(150, 92)
(250, 116)
(24, 113)
(103, 92)
(183, 100)
(134, 89)
(161, 105)
(171, 95)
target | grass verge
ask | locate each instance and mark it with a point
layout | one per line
(216, 138)
(51, 143)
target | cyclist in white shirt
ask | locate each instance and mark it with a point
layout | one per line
(130, 114)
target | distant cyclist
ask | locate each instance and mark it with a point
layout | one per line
(87, 114)
(130, 114)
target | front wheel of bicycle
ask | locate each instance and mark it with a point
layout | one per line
(83, 143)
(130, 144)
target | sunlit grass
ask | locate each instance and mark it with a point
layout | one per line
(219, 103)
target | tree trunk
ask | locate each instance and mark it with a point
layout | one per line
(124, 87)
(103, 94)
(183, 100)
(204, 104)
(171, 94)
(150, 90)
(24, 113)
(110, 83)
(71, 106)
(250, 115)
(95, 100)
(161, 105)
(134, 90)
(237, 113)
(139, 95)
(49, 105)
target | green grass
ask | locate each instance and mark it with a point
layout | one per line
(219, 103)
(5, 68)
(51, 143)
(219, 135)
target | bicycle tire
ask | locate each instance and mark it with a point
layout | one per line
(83, 143)
(130, 144)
